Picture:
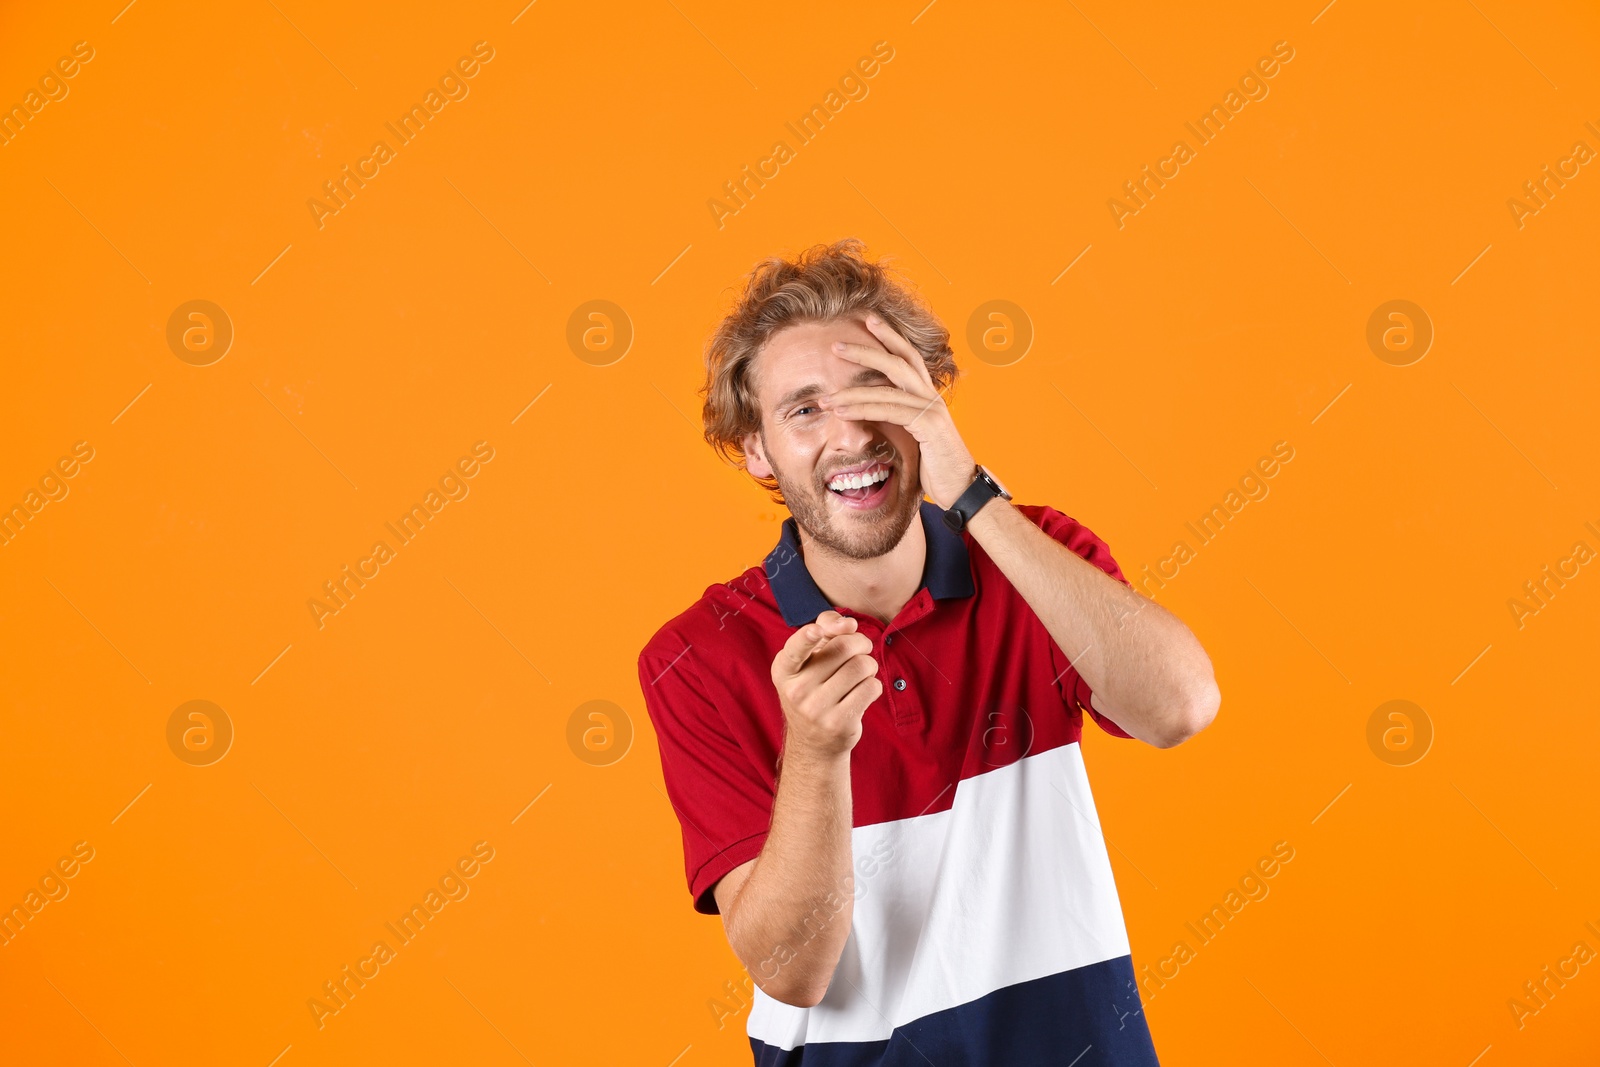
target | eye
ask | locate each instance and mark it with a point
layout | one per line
(802, 409)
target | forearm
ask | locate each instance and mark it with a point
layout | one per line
(1148, 672)
(790, 920)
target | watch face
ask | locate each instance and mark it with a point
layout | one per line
(994, 481)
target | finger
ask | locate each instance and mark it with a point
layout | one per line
(825, 661)
(851, 673)
(901, 413)
(841, 647)
(895, 342)
(811, 639)
(855, 394)
(858, 700)
(895, 367)
(833, 623)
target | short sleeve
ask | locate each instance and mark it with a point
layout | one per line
(1082, 540)
(722, 800)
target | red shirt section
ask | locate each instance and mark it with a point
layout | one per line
(971, 681)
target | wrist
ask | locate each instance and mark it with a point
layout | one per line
(983, 490)
(988, 518)
(950, 499)
(814, 761)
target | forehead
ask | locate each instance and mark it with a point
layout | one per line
(803, 354)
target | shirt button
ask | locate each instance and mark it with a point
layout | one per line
(900, 684)
(889, 640)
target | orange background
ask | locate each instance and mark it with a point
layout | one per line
(372, 753)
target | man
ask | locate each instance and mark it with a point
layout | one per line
(871, 741)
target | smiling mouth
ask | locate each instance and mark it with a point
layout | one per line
(863, 489)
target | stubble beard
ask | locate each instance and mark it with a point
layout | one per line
(844, 531)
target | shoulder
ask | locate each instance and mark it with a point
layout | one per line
(706, 668)
(726, 611)
(1075, 535)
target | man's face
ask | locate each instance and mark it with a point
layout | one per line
(816, 457)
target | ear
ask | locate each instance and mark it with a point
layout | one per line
(755, 460)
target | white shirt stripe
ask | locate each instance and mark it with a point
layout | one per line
(1012, 883)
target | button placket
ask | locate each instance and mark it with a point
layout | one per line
(903, 708)
(905, 711)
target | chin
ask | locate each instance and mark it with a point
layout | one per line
(858, 533)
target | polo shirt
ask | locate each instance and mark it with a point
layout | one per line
(986, 927)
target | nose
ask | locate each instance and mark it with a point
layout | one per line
(852, 436)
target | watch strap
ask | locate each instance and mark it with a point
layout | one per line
(982, 490)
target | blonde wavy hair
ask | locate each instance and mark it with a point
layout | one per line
(824, 283)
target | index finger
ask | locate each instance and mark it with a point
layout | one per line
(810, 639)
(895, 342)
(890, 365)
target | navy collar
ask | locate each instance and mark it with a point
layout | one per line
(945, 573)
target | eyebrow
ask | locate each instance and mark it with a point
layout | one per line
(864, 376)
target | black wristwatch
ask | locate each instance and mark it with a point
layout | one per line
(983, 489)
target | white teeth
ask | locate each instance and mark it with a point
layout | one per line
(859, 481)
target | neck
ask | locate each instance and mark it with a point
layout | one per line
(879, 587)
